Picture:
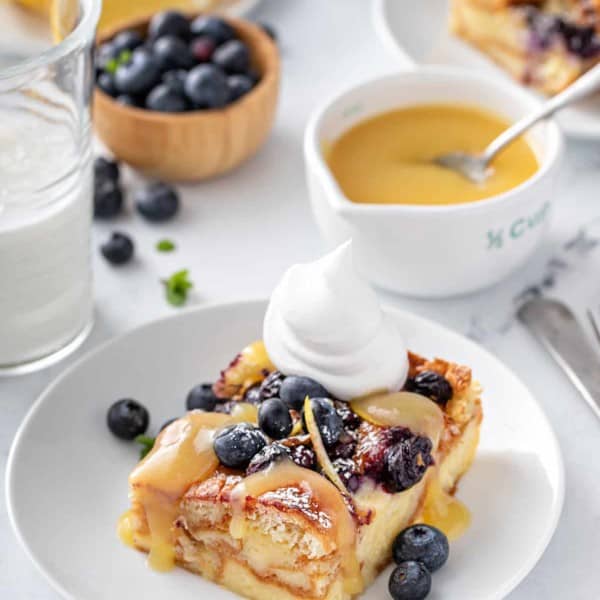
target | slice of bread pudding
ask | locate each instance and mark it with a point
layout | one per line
(546, 44)
(310, 516)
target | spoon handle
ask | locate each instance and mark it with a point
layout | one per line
(589, 82)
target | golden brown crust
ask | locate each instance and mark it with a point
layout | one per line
(459, 376)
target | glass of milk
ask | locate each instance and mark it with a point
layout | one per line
(46, 185)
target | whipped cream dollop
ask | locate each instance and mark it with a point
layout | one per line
(325, 322)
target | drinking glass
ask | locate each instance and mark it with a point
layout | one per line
(46, 186)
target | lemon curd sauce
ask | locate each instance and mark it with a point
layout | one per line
(388, 159)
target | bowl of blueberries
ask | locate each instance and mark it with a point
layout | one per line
(186, 97)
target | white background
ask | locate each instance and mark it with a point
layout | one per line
(238, 233)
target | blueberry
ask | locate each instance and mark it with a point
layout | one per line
(139, 75)
(304, 456)
(118, 249)
(346, 469)
(106, 83)
(213, 27)
(105, 169)
(274, 418)
(265, 457)
(169, 22)
(172, 53)
(253, 395)
(201, 397)
(410, 580)
(430, 384)
(206, 86)
(350, 419)
(236, 445)
(166, 424)
(328, 421)
(175, 80)
(269, 30)
(164, 99)
(232, 57)
(108, 199)
(127, 100)
(423, 543)
(270, 386)
(239, 85)
(405, 463)
(127, 419)
(294, 390)
(202, 48)
(126, 40)
(157, 201)
(104, 54)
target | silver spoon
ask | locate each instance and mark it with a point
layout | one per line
(475, 166)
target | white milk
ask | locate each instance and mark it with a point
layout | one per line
(45, 219)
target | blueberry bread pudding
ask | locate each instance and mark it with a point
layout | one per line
(546, 44)
(309, 454)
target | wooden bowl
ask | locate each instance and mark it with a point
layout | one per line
(199, 144)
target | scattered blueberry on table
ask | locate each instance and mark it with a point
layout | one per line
(157, 201)
(108, 196)
(118, 250)
(135, 71)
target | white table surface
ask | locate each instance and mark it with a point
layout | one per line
(238, 233)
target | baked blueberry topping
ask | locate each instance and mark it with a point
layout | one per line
(304, 456)
(328, 421)
(157, 202)
(127, 419)
(410, 580)
(213, 27)
(422, 543)
(294, 390)
(271, 385)
(406, 463)
(350, 419)
(118, 249)
(274, 418)
(236, 445)
(253, 395)
(430, 384)
(265, 457)
(201, 397)
(346, 469)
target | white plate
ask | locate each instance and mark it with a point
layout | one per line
(421, 35)
(67, 475)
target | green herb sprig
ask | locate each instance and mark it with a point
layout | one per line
(146, 442)
(177, 287)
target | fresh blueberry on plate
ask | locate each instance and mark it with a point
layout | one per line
(172, 53)
(105, 169)
(213, 27)
(236, 445)
(157, 201)
(163, 98)
(206, 86)
(422, 543)
(430, 384)
(201, 397)
(127, 419)
(239, 85)
(294, 390)
(118, 249)
(108, 198)
(139, 75)
(410, 580)
(232, 57)
(274, 418)
(169, 22)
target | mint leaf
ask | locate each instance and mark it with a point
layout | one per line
(165, 246)
(146, 442)
(177, 287)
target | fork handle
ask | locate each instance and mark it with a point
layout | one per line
(556, 327)
(588, 83)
